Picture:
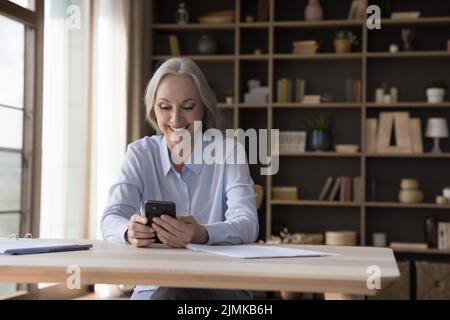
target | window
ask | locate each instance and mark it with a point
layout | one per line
(28, 4)
(18, 106)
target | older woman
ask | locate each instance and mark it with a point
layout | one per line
(215, 202)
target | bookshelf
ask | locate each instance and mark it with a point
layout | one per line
(325, 72)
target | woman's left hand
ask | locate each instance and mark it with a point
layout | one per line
(177, 233)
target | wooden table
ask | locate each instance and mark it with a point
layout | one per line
(109, 263)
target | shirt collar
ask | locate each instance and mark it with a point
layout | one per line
(198, 150)
(164, 153)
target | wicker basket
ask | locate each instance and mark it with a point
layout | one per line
(433, 280)
(398, 290)
(285, 193)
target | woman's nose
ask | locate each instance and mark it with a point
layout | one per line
(176, 116)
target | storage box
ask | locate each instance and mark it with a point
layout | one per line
(398, 290)
(340, 238)
(292, 142)
(285, 193)
(433, 280)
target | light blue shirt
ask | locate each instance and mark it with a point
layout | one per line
(218, 196)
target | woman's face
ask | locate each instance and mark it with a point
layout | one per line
(177, 106)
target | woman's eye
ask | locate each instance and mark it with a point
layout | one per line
(189, 106)
(165, 106)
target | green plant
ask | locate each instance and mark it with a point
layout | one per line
(318, 123)
(229, 93)
(437, 84)
(345, 34)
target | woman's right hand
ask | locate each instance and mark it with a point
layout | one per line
(139, 234)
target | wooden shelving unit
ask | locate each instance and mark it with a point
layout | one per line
(325, 72)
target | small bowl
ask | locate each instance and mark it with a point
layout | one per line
(409, 184)
(347, 148)
(410, 196)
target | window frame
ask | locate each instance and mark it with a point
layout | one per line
(33, 22)
(31, 151)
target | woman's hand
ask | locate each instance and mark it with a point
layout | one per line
(177, 233)
(139, 234)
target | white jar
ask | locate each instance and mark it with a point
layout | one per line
(446, 193)
(435, 95)
(393, 48)
(379, 239)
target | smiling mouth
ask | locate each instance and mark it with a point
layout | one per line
(178, 129)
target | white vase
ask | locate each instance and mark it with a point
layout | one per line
(435, 95)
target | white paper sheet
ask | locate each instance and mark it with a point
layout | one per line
(252, 251)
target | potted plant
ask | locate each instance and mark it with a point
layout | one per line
(436, 91)
(344, 40)
(320, 128)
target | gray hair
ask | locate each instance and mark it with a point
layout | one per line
(184, 66)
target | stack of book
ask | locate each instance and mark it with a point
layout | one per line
(344, 189)
(312, 99)
(305, 47)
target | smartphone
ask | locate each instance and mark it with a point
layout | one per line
(157, 209)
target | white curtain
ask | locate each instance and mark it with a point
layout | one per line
(109, 99)
(85, 97)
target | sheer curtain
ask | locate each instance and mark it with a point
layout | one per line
(85, 109)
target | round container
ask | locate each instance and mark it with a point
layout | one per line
(446, 193)
(207, 45)
(393, 48)
(435, 95)
(410, 196)
(340, 238)
(441, 200)
(409, 184)
(379, 239)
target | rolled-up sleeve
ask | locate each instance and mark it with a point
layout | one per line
(125, 198)
(241, 220)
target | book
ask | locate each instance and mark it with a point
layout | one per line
(371, 135)
(345, 189)
(415, 131)
(326, 188)
(284, 90)
(263, 10)
(335, 190)
(300, 86)
(348, 89)
(174, 45)
(357, 190)
(443, 236)
(357, 85)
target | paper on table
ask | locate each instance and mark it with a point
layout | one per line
(256, 251)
